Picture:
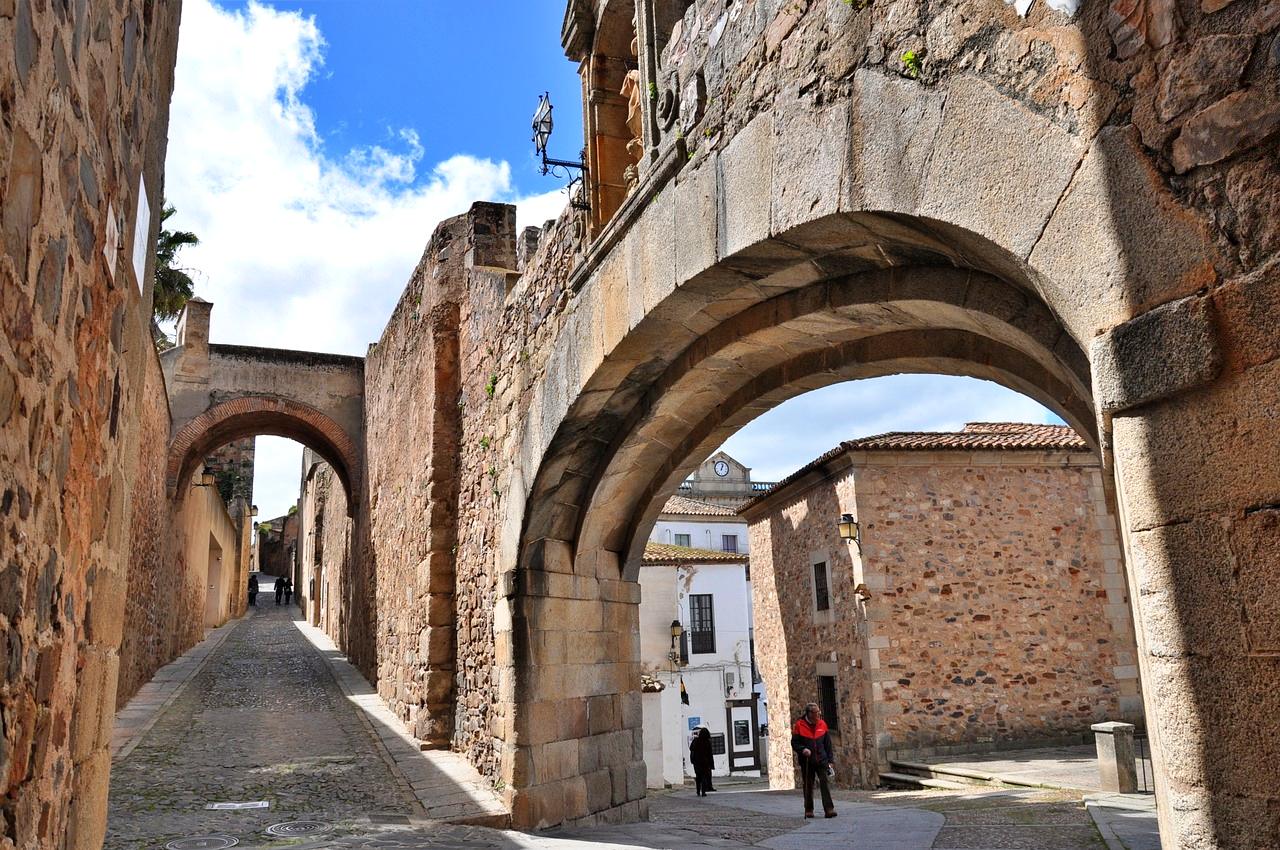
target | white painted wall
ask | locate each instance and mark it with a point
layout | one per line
(704, 533)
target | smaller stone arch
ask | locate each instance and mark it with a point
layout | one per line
(254, 415)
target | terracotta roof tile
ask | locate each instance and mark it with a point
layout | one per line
(976, 436)
(667, 553)
(685, 506)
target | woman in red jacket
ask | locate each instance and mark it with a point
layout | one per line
(812, 744)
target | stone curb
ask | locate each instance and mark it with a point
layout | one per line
(163, 683)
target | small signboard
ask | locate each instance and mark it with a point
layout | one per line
(223, 807)
(111, 247)
(694, 723)
(141, 233)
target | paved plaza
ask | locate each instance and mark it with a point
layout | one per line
(264, 711)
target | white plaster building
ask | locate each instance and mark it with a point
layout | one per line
(696, 572)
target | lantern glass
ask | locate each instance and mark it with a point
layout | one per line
(676, 630)
(542, 124)
(848, 527)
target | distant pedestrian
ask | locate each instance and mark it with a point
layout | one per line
(253, 590)
(279, 589)
(702, 759)
(288, 590)
(812, 743)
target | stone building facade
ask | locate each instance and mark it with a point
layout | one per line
(1079, 207)
(276, 545)
(983, 606)
(232, 467)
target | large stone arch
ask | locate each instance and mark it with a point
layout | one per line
(255, 415)
(815, 246)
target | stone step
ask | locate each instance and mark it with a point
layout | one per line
(944, 772)
(909, 780)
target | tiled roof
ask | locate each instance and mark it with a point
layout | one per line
(668, 553)
(976, 436)
(685, 506)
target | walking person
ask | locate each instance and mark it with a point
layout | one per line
(812, 743)
(702, 759)
(279, 589)
(253, 589)
(288, 590)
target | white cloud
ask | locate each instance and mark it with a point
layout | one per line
(786, 438)
(300, 247)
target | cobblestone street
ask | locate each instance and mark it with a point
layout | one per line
(263, 720)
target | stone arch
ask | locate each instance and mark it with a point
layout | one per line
(841, 297)
(254, 415)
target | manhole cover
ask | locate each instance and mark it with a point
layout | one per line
(294, 828)
(203, 842)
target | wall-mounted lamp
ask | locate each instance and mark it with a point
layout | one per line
(849, 529)
(542, 126)
(861, 592)
(206, 479)
(676, 631)
(253, 510)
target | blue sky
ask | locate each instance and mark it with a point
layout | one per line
(314, 146)
(466, 75)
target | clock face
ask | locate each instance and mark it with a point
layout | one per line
(721, 468)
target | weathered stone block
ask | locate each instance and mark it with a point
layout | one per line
(978, 185)
(895, 122)
(811, 161)
(1165, 351)
(1146, 247)
(745, 179)
(696, 218)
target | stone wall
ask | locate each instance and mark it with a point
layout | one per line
(792, 645)
(997, 614)
(276, 545)
(85, 101)
(325, 555)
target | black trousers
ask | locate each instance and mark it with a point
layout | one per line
(702, 779)
(812, 772)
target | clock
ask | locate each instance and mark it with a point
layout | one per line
(721, 468)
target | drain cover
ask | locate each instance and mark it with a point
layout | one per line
(294, 828)
(203, 842)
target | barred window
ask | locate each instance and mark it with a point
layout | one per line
(702, 624)
(821, 595)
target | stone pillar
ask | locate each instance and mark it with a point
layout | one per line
(1116, 765)
(1193, 397)
(193, 339)
(578, 754)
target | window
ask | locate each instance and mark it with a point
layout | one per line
(742, 733)
(827, 699)
(821, 595)
(729, 542)
(682, 540)
(702, 624)
(717, 744)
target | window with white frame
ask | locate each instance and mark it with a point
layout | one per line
(683, 540)
(729, 542)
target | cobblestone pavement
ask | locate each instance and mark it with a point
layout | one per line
(263, 720)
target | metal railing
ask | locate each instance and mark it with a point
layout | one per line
(1142, 763)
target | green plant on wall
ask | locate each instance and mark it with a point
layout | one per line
(911, 60)
(484, 442)
(491, 386)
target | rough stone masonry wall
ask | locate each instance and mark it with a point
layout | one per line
(163, 613)
(792, 643)
(411, 403)
(84, 92)
(999, 612)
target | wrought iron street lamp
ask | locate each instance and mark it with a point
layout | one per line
(542, 127)
(849, 529)
(676, 631)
